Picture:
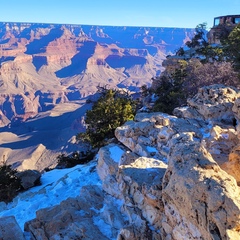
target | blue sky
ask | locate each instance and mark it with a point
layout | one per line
(156, 13)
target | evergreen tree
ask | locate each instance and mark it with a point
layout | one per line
(10, 184)
(110, 111)
(231, 47)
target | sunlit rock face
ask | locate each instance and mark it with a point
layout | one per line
(198, 195)
(200, 199)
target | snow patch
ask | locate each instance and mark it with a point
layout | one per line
(104, 228)
(152, 149)
(57, 186)
(116, 153)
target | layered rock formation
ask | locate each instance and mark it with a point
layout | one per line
(44, 67)
(164, 179)
(44, 64)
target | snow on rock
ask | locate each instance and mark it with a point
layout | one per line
(107, 167)
(9, 223)
(116, 153)
(57, 185)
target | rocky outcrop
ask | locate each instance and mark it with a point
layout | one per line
(198, 195)
(166, 179)
(215, 102)
(201, 201)
(29, 178)
(217, 106)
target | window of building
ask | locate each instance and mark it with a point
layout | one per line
(216, 21)
(237, 20)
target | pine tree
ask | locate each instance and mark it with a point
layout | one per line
(10, 184)
(110, 111)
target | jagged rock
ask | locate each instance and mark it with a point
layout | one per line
(107, 168)
(29, 178)
(9, 229)
(201, 201)
(137, 181)
(232, 166)
(149, 134)
(215, 102)
(141, 187)
(220, 142)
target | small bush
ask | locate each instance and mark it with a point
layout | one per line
(74, 159)
(10, 184)
(110, 111)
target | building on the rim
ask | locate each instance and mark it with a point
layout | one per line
(222, 26)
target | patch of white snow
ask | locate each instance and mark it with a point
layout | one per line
(116, 153)
(57, 185)
(152, 149)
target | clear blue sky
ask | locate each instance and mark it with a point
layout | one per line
(156, 13)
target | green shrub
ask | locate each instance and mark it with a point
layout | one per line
(10, 184)
(110, 111)
(74, 159)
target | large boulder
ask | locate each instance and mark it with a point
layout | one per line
(215, 102)
(141, 184)
(107, 168)
(29, 178)
(136, 181)
(201, 201)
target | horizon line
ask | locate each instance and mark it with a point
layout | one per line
(97, 25)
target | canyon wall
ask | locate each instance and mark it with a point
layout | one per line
(45, 64)
(48, 71)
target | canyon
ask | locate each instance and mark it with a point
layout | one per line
(164, 177)
(48, 71)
